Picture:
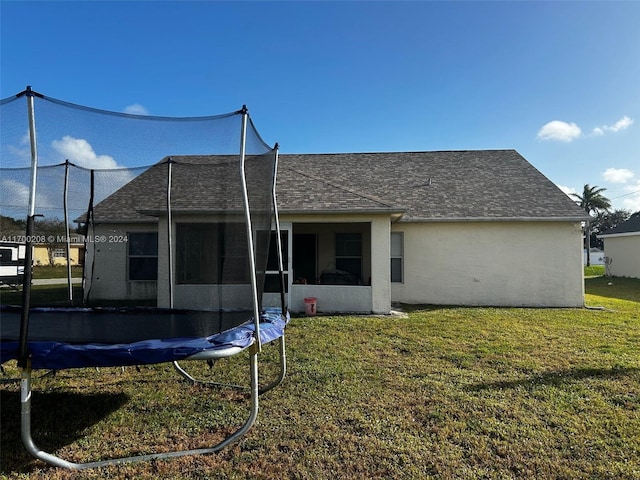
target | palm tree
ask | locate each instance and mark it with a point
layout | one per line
(591, 200)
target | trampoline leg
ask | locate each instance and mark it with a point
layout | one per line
(25, 425)
(283, 371)
(186, 375)
(25, 401)
(283, 367)
(253, 414)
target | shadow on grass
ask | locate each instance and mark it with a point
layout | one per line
(57, 419)
(559, 378)
(614, 287)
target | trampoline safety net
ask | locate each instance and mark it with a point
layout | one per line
(152, 209)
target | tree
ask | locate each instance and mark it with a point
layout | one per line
(606, 221)
(591, 200)
(11, 227)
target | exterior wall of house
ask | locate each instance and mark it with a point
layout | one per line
(111, 281)
(534, 264)
(522, 264)
(624, 251)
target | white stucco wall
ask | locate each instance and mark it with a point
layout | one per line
(332, 298)
(624, 251)
(110, 280)
(522, 264)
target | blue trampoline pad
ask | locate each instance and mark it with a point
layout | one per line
(62, 338)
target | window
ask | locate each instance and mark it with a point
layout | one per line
(211, 253)
(397, 257)
(143, 255)
(59, 253)
(349, 253)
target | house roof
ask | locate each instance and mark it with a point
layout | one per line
(632, 225)
(425, 186)
(476, 185)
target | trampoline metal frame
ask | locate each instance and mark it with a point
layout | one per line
(33, 449)
(277, 381)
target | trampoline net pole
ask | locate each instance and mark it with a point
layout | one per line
(170, 231)
(87, 278)
(65, 207)
(28, 261)
(283, 303)
(250, 240)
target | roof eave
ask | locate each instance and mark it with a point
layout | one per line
(376, 211)
(621, 234)
(491, 219)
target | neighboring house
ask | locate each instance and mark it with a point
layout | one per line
(46, 254)
(363, 230)
(622, 248)
(12, 256)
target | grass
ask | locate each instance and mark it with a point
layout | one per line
(42, 295)
(593, 271)
(443, 393)
(46, 271)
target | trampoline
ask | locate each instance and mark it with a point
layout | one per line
(201, 221)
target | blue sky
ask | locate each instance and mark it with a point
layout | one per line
(559, 82)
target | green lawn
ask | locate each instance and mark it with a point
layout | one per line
(45, 271)
(594, 271)
(443, 393)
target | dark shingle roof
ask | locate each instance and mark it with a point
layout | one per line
(424, 186)
(632, 225)
(427, 186)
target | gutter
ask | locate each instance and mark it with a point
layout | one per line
(493, 219)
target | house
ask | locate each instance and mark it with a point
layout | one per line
(362, 231)
(56, 254)
(12, 257)
(622, 248)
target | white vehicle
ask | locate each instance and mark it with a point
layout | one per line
(11, 263)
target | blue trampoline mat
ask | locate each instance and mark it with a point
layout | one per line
(61, 338)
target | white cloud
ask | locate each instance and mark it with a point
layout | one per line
(567, 190)
(617, 175)
(16, 193)
(632, 199)
(80, 152)
(559, 130)
(622, 124)
(136, 109)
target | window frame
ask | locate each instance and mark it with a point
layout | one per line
(345, 253)
(137, 256)
(395, 256)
